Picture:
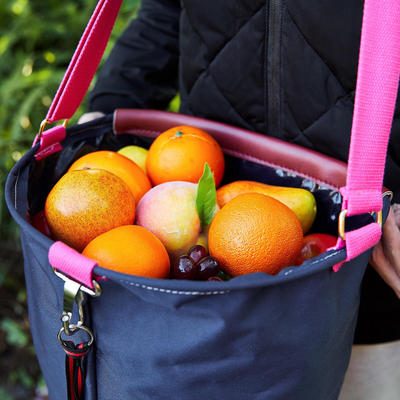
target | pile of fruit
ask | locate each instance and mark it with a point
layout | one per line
(160, 213)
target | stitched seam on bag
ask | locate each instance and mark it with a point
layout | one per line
(216, 292)
(326, 257)
(137, 131)
(317, 261)
(260, 161)
(15, 190)
(89, 129)
(179, 292)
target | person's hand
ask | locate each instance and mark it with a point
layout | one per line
(90, 116)
(386, 254)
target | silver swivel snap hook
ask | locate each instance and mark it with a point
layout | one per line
(74, 293)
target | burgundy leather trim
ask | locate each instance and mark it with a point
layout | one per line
(241, 143)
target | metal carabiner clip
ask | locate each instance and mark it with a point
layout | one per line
(72, 293)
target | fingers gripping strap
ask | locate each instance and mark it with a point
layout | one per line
(375, 99)
(85, 61)
(72, 263)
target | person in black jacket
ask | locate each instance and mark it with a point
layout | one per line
(286, 69)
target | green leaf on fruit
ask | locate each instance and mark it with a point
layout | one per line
(206, 198)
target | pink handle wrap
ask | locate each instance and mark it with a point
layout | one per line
(72, 263)
(84, 62)
(375, 99)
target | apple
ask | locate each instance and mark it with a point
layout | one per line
(135, 153)
(169, 211)
(314, 245)
(86, 203)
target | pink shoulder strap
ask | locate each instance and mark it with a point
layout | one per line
(375, 99)
(85, 61)
(377, 83)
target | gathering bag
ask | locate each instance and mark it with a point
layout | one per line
(256, 336)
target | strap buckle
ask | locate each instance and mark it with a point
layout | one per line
(44, 123)
(343, 214)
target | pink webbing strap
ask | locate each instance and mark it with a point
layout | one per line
(72, 263)
(85, 61)
(69, 96)
(375, 99)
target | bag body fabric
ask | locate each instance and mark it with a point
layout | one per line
(254, 337)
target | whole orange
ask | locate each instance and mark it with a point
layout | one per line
(180, 153)
(255, 233)
(131, 250)
(84, 204)
(119, 165)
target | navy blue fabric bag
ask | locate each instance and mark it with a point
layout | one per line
(256, 336)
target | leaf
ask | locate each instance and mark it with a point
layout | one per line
(15, 335)
(206, 198)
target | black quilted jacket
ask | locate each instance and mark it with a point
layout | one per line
(284, 68)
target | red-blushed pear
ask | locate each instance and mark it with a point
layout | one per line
(86, 203)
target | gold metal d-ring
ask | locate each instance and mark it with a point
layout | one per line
(42, 125)
(342, 218)
(341, 226)
(45, 122)
(343, 214)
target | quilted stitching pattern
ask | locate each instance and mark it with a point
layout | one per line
(227, 43)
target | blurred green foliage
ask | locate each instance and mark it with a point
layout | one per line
(37, 41)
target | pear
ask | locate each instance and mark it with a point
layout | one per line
(86, 203)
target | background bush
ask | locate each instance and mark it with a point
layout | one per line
(37, 40)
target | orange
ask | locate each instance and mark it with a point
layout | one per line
(255, 233)
(130, 249)
(119, 165)
(300, 201)
(179, 154)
